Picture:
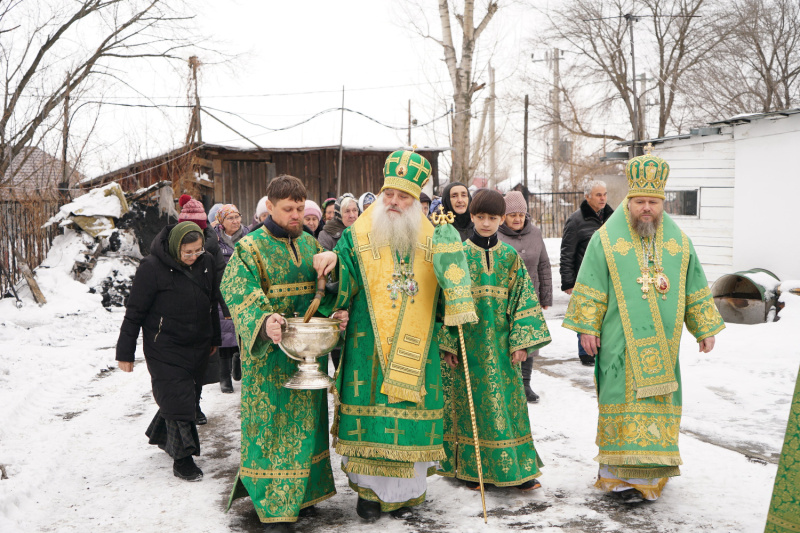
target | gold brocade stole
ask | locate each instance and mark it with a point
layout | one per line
(404, 331)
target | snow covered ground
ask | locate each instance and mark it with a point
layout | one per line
(74, 456)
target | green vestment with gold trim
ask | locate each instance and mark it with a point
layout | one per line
(637, 374)
(285, 459)
(381, 434)
(509, 319)
(784, 509)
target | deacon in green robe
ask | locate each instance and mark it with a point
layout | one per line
(639, 282)
(510, 326)
(784, 509)
(388, 418)
(285, 459)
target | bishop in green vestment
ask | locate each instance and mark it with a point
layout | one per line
(388, 421)
(285, 459)
(784, 509)
(510, 326)
(639, 282)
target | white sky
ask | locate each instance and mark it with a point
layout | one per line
(293, 59)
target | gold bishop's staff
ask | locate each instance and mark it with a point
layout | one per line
(448, 218)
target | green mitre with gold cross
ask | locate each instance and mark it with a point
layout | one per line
(406, 171)
(647, 175)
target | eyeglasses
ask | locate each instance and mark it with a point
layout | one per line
(197, 254)
(233, 217)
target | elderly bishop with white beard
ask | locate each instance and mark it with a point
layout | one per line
(388, 423)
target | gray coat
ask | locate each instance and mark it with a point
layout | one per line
(529, 245)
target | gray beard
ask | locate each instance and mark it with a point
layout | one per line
(399, 231)
(645, 229)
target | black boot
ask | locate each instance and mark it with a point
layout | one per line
(403, 512)
(629, 496)
(279, 527)
(369, 511)
(186, 469)
(531, 396)
(237, 367)
(225, 384)
(199, 416)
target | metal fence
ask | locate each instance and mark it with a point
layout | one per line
(21, 231)
(550, 210)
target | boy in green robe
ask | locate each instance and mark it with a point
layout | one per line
(285, 463)
(511, 326)
(639, 282)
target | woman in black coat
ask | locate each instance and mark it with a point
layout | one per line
(173, 302)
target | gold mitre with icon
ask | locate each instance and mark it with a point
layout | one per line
(647, 175)
(407, 171)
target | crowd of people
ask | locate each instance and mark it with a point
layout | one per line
(213, 285)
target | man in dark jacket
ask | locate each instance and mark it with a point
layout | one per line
(578, 230)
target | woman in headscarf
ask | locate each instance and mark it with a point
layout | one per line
(229, 231)
(345, 213)
(312, 217)
(456, 199)
(365, 200)
(526, 239)
(173, 302)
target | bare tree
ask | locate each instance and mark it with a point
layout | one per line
(51, 50)
(461, 69)
(599, 32)
(757, 67)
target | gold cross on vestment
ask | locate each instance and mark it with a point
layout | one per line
(432, 434)
(397, 431)
(388, 161)
(428, 247)
(356, 335)
(437, 388)
(373, 246)
(355, 383)
(358, 431)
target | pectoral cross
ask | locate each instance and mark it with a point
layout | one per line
(358, 431)
(645, 280)
(432, 434)
(397, 431)
(355, 383)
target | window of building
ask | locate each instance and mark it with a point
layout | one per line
(683, 203)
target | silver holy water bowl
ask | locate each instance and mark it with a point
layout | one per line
(305, 342)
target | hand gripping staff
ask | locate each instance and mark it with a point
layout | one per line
(452, 273)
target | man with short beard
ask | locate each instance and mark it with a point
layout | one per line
(388, 424)
(285, 463)
(639, 282)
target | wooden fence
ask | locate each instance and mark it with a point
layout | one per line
(550, 210)
(21, 231)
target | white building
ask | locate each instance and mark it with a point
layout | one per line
(734, 188)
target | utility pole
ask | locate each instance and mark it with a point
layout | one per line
(64, 185)
(409, 121)
(643, 106)
(492, 138)
(341, 140)
(636, 111)
(195, 132)
(555, 149)
(525, 150)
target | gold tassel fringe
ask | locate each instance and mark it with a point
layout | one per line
(656, 390)
(460, 319)
(399, 394)
(383, 470)
(355, 449)
(623, 460)
(645, 473)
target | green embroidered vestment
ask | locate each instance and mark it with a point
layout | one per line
(380, 437)
(285, 459)
(784, 509)
(637, 374)
(510, 319)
